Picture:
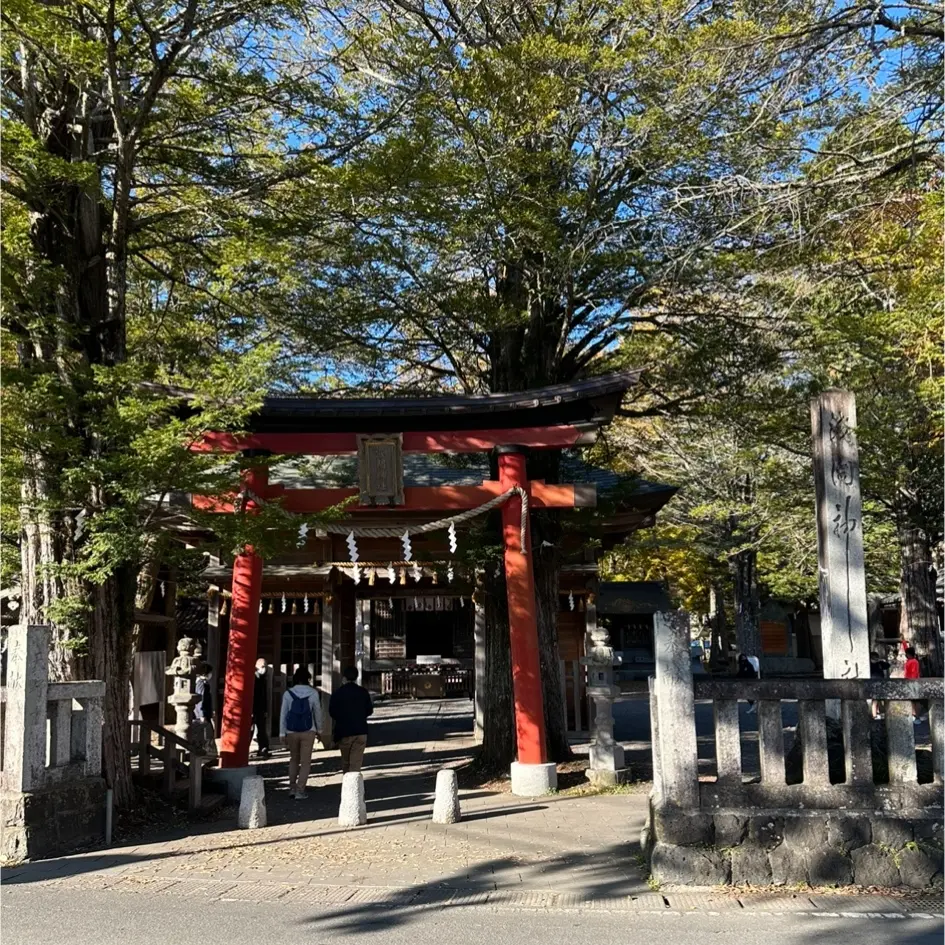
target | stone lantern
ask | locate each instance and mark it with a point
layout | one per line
(183, 670)
(607, 762)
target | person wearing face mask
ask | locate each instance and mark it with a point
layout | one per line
(261, 709)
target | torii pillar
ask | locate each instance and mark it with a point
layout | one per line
(532, 773)
(243, 640)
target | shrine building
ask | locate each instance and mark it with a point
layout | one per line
(382, 583)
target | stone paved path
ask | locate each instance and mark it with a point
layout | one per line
(577, 844)
(562, 852)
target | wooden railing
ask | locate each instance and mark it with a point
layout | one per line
(574, 697)
(177, 757)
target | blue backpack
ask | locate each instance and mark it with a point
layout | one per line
(299, 718)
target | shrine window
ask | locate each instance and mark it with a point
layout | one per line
(301, 643)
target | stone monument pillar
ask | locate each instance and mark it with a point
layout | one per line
(843, 609)
(607, 761)
(183, 670)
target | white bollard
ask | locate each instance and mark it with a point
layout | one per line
(352, 812)
(446, 798)
(252, 803)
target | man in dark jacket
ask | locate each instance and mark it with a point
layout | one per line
(349, 708)
(261, 708)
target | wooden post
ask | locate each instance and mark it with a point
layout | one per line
(843, 610)
(479, 664)
(213, 649)
(523, 626)
(676, 706)
(170, 775)
(241, 661)
(328, 666)
(237, 716)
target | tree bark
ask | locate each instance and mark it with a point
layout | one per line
(546, 564)
(497, 751)
(918, 617)
(747, 604)
(719, 653)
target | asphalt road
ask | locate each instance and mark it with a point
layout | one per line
(41, 916)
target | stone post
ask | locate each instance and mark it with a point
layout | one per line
(676, 707)
(843, 609)
(352, 811)
(24, 750)
(446, 797)
(606, 756)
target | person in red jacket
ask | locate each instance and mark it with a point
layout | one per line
(913, 671)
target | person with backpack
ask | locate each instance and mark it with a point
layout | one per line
(300, 722)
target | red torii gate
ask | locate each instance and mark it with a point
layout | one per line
(580, 410)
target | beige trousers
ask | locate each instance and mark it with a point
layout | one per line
(300, 746)
(352, 752)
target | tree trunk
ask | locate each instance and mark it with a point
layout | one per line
(918, 617)
(546, 565)
(110, 629)
(747, 604)
(719, 653)
(497, 751)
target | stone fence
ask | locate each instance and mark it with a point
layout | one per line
(850, 801)
(52, 795)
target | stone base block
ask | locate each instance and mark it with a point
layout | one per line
(252, 803)
(534, 780)
(232, 779)
(54, 820)
(601, 777)
(787, 847)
